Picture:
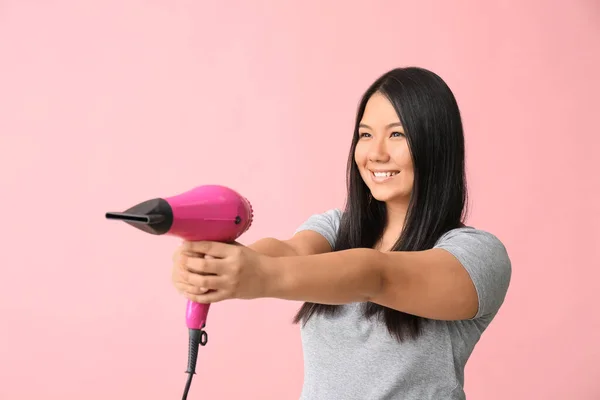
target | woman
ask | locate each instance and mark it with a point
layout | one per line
(397, 289)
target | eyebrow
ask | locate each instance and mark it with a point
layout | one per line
(388, 126)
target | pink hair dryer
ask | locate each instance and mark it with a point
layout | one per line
(210, 212)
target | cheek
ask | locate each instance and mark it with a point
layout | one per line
(360, 156)
(402, 159)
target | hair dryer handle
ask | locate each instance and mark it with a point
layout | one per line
(196, 314)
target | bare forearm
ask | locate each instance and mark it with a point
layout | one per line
(431, 284)
(273, 248)
(333, 278)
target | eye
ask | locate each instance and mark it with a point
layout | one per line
(364, 134)
(398, 134)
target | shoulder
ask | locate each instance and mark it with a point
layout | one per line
(326, 223)
(473, 237)
(487, 261)
(330, 216)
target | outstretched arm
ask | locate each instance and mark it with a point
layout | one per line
(431, 283)
(302, 243)
(467, 276)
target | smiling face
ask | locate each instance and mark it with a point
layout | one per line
(382, 154)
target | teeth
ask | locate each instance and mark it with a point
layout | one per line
(384, 174)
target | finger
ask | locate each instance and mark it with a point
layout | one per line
(184, 286)
(215, 249)
(187, 288)
(210, 282)
(210, 297)
(185, 253)
(182, 283)
(177, 254)
(208, 265)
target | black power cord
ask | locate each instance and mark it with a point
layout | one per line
(198, 337)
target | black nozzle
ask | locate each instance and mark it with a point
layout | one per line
(152, 216)
(142, 219)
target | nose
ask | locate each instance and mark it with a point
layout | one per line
(378, 151)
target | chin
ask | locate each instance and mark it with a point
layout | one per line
(390, 195)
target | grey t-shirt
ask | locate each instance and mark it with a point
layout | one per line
(349, 358)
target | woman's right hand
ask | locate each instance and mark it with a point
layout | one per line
(180, 274)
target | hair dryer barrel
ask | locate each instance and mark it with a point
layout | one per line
(209, 212)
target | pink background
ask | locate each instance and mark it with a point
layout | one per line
(261, 96)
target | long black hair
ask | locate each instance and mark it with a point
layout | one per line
(430, 115)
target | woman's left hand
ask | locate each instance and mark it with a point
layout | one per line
(230, 271)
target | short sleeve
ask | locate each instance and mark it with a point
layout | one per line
(326, 224)
(487, 262)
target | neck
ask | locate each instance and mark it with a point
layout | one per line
(396, 213)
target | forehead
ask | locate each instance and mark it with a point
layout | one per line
(379, 110)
